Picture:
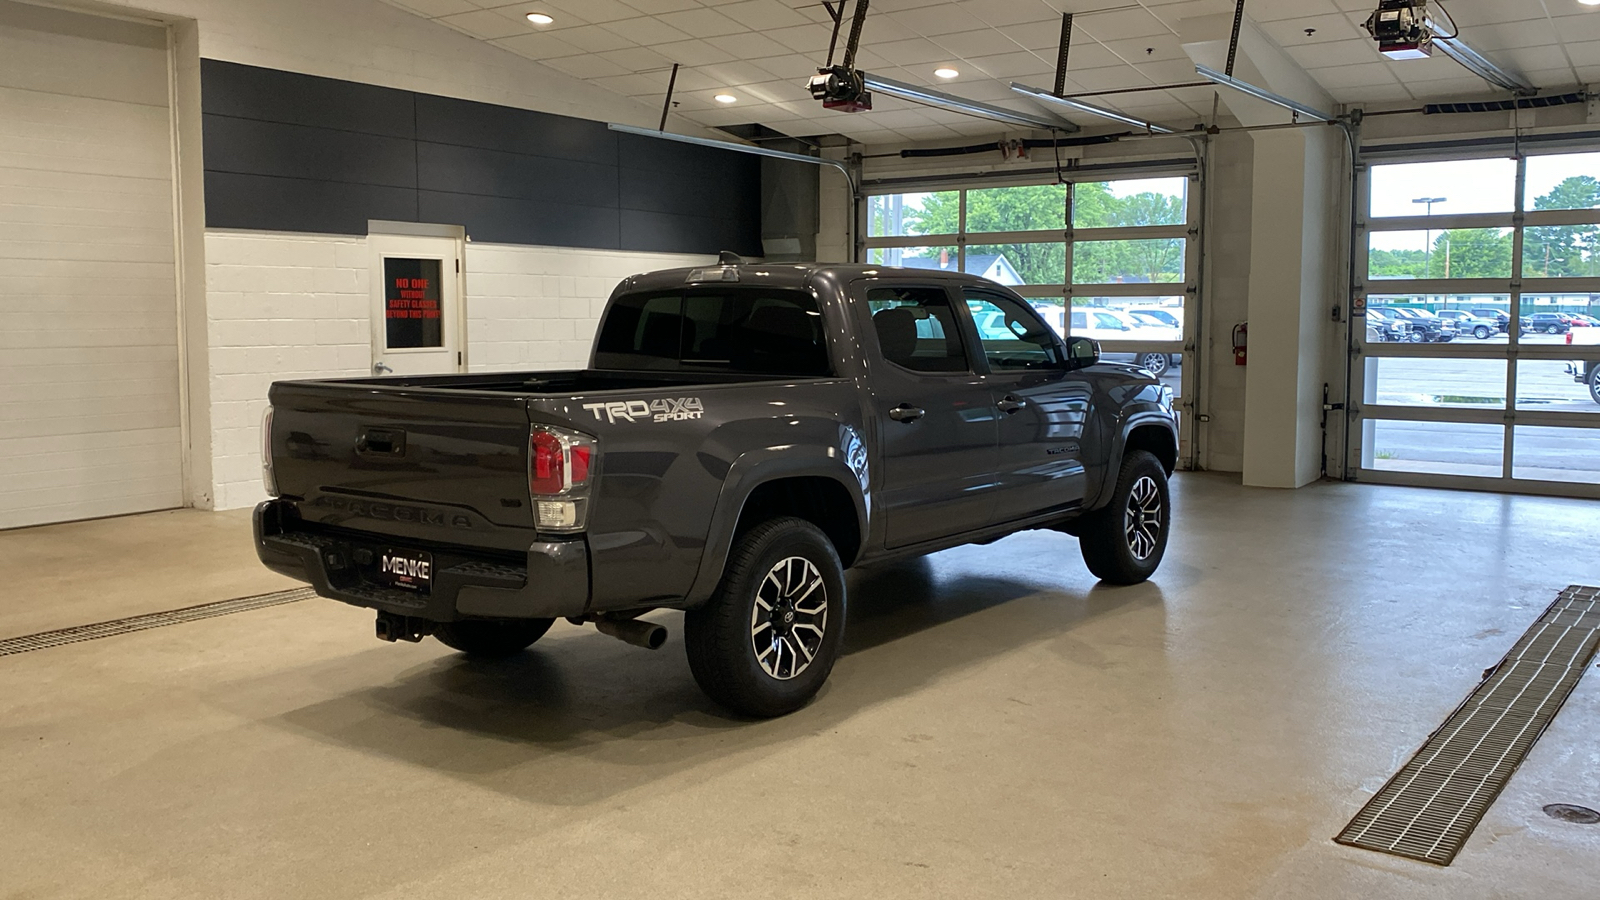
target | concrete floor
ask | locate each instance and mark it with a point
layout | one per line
(999, 727)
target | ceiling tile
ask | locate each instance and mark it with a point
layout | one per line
(657, 7)
(1120, 23)
(748, 45)
(946, 18)
(760, 15)
(802, 38)
(914, 52)
(1012, 12)
(586, 65)
(539, 46)
(485, 24)
(638, 59)
(702, 22)
(592, 38)
(693, 53)
(647, 31)
(433, 8)
(567, 11)
(982, 42)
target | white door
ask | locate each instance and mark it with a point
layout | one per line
(90, 415)
(417, 321)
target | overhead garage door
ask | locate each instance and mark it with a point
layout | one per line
(89, 398)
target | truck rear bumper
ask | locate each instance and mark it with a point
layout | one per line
(554, 582)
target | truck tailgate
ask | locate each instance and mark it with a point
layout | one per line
(420, 463)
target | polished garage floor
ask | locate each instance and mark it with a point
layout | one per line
(1000, 726)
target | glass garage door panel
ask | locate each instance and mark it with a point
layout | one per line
(1019, 264)
(1419, 318)
(1435, 448)
(1547, 317)
(899, 215)
(1456, 383)
(1448, 188)
(1557, 454)
(1034, 207)
(942, 258)
(1564, 181)
(1148, 261)
(1130, 202)
(1440, 253)
(1553, 385)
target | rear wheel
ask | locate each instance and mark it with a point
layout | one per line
(766, 640)
(1157, 363)
(1483, 332)
(1123, 543)
(1594, 381)
(492, 638)
(1415, 337)
(1552, 330)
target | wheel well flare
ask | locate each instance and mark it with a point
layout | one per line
(821, 501)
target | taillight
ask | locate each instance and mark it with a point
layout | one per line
(268, 479)
(560, 469)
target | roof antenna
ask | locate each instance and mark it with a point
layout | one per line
(729, 258)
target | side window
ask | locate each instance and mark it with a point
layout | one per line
(1012, 335)
(917, 329)
(1080, 322)
(766, 332)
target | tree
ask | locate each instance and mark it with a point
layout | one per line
(1557, 251)
(1471, 253)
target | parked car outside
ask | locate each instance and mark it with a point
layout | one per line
(1418, 329)
(1102, 324)
(1385, 327)
(1467, 323)
(1582, 320)
(1586, 371)
(1500, 318)
(1158, 318)
(1547, 323)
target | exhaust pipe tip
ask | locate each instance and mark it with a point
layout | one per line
(632, 631)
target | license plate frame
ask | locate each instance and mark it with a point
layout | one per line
(405, 570)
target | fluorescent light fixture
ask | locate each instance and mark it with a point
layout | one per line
(1045, 96)
(539, 19)
(941, 100)
(1245, 87)
(726, 98)
(948, 72)
(738, 148)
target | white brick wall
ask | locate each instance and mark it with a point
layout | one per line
(285, 306)
(279, 306)
(537, 307)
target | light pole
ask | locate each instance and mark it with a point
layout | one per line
(1428, 257)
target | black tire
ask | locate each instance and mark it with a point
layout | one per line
(492, 638)
(1116, 548)
(1156, 363)
(1594, 381)
(1552, 330)
(781, 564)
(1483, 332)
(1415, 337)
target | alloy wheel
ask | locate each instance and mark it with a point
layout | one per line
(1142, 519)
(789, 618)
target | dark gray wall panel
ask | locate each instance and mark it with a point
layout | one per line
(250, 92)
(503, 220)
(295, 151)
(669, 233)
(470, 170)
(298, 204)
(445, 120)
(289, 152)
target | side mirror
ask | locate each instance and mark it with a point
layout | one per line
(1082, 352)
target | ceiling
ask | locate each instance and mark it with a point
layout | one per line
(762, 52)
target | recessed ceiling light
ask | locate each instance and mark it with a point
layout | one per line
(726, 98)
(947, 72)
(539, 19)
(1590, 2)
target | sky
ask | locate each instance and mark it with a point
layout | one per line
(1467, 186)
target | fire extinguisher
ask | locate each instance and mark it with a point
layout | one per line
(1241, 334)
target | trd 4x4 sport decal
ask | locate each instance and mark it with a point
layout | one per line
(677, 409)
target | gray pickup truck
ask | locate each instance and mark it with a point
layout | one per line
(743, 435)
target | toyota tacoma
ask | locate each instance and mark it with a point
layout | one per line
(743, 435)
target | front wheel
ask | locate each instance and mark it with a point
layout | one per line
(1415, 337)
(766, 640)
(1552, 330)
(1594, 381)
(492, 638)
(1482, 332)
(1123, 543)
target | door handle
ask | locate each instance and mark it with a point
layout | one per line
(1009, 404)
(378, 368)
(907, 413)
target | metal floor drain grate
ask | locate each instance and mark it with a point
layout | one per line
(1430, 807)
(98, 630)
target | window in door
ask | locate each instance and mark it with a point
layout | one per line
(917, 329)
(1012, 335)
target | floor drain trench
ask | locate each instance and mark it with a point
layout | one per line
(61, 636)
(1431, 806)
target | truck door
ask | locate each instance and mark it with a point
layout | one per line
(1042, 407)
(934, 415)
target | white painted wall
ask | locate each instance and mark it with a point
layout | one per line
(284, 306)
(374, 43)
